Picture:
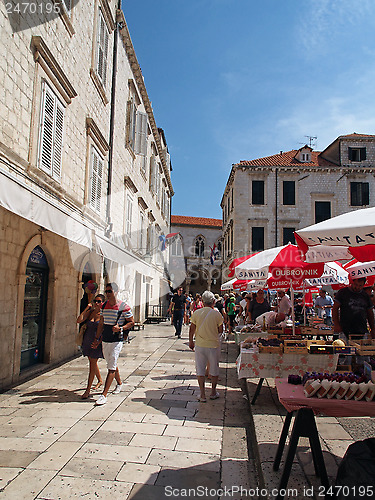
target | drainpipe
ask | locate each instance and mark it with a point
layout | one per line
(276, 208)
(112, 125)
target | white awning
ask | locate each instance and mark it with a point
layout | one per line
(26, 202)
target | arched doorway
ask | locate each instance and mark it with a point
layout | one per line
(34, 310)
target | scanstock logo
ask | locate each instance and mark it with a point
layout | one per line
(297, 273)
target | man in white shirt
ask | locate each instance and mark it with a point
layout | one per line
(284, 306)
(272, 318)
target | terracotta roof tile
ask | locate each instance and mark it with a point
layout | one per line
(195, 221)
(287, 159)
(354, 135)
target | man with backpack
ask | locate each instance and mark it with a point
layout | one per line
(116, 319)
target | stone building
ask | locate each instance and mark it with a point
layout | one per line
(265, 200)
(85, 184)
(200, 244)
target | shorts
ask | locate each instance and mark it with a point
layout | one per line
(111, 352)
(204, 355)
(231, 318)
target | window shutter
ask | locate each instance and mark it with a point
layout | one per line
(97, 167)
(350, 154)
(58, 140)
(141, 133)
(102, 49)
(363, 154)
(46, 131)
(153, 174)
(365, 193)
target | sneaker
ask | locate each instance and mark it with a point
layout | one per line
(117, 389)
(101, 400)
(215, 396)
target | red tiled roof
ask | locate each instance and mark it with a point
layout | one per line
(354, 135)
(287, 159)
(195, 221)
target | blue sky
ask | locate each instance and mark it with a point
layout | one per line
(233, 80)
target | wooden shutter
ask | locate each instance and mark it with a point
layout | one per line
(365, 193)
(141, 133)
(153, 167)
(102, 56)
(363, 154)
(51, 134)
(96, 178)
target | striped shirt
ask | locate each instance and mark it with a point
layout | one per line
(110, 313)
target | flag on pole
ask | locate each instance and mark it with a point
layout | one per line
(214, 253)
(167, 240)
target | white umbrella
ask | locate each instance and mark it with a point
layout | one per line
(340, 238)
(362, 269)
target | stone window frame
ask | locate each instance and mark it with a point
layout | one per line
(66, 14)
(103, 9)
(47, 72)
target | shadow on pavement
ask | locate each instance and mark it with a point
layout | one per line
(53, 396)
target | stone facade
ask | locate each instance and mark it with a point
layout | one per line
(267, 198)
(56, 151)
(198, 235)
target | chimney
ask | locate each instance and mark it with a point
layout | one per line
(281, 153)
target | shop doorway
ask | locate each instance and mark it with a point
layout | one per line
(34, 310)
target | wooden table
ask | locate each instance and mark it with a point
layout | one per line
(293, 399)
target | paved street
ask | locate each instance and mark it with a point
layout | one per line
(152, 435)
(154, 440)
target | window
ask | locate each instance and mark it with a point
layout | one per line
(322, 211)
(102, 49)
(289, 193)
(140, 133)
(129, 214)
(141, 242)
(359, 194)
(257, 193)
(357, 154)
(51, 133)
(153, 174)
(288, 235)
(257, 239)
(199, 246)
(176, 247)
(96, 178)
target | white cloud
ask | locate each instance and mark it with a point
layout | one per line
(324, 21)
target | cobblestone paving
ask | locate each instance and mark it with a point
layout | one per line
(152, 441)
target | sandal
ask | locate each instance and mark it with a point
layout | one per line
(85, 395)
(215, 396)
(99, 384)
(202, 400)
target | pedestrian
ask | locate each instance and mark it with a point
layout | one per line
(178, 308)
(206, 326)
(258, 306)
(324, 304)
(90, 288)
(231, 313)
(352, 309)
(90, 317)
(116, 320)
(197, 304)
(284, 305)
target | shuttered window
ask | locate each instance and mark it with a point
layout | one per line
(131, 124)
(129, 215)
(289, 193)
(153, 174)
(51, 133)
(257, 238)
(102, 51)
(141, 133)
(257, 195)
(96, 180)
(359, 194)
(357, 154)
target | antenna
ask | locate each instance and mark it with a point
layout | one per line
(311, 138)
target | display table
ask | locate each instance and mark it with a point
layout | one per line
(294, 400)
(252, 364)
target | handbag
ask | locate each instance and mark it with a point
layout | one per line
(81, 333)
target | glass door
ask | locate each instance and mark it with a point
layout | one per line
(34, 312)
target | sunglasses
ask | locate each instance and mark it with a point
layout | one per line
(108, 291)
(97, 301)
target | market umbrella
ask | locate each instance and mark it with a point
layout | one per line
(236, 262)
(361, 270)
(340, 238)
(285, 266)
(241, 285)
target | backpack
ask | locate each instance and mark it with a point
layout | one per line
(356, 473)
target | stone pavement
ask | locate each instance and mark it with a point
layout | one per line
(336, 434)
(149, 442)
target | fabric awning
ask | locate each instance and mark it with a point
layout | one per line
(27, 203)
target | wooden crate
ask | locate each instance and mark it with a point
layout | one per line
(275, 331)
(320, 341)
(270, 349)
(308, 330)
(363, 347)
(289, 347)
(343, 368)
